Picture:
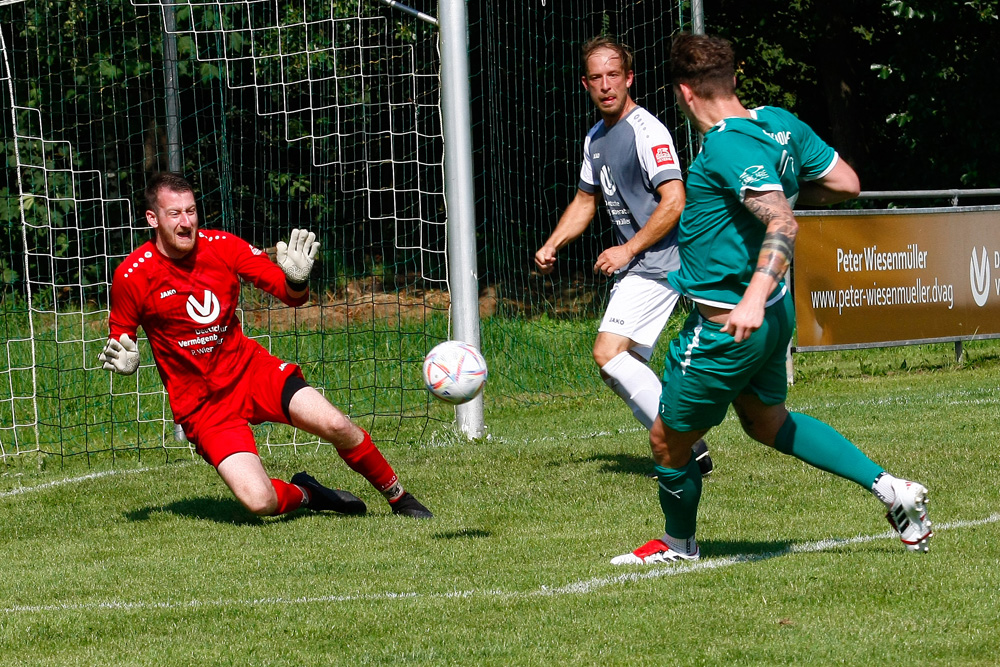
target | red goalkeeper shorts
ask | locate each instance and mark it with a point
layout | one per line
(222, 426)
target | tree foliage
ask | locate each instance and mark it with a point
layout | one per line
(904, 90)
(89, 80)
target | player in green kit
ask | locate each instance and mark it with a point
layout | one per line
(736, 240)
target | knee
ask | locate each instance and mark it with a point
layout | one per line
(762, 427)
(601, 357)
(748, 424)
(668, 446)
(605, 351)
(262, 503)
(337, 427)
(660, 451)
(755, 433)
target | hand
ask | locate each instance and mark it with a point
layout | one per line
(296, 258)
(545, 259)
(613, 259)
(743, 320)
(120, 357)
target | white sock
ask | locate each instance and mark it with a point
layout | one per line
(687, 546)
(882, 488)
(636, 384)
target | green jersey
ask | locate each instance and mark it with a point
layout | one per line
(719, 239)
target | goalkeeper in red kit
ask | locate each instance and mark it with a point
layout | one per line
(183, 288)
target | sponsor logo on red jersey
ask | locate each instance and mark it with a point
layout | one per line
(663, 155)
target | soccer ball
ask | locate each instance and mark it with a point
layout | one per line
(454, 371)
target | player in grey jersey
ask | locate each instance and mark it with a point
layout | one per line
(630, 161)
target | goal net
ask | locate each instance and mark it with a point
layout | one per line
(287, 113)
(529, 140)
(284, 114)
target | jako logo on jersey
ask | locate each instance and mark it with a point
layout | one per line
(753, 174)
(663, 155)
(979, 276)
(204, 312)
(608, 182)
(169, 292)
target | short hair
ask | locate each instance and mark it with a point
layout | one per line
(606, 42)
(706, 63)
(164, 180)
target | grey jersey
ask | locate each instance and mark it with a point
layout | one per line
(628, 162)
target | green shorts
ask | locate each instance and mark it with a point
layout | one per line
(706, 370)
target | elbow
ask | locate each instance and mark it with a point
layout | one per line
(854, 188)
(850, 184)
(847, 187)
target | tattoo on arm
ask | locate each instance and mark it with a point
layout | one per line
(775, 256)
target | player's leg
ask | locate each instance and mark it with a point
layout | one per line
(805, 438)
(244, 474)
(309, 410)
(692, 402)
(679, 483)
(224, 439)
(636, 315)
(764, 417)
(821, 446)
(229, 446)
(628, 376)
(761, 407)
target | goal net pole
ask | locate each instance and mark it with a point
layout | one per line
(459, 193)
(171, 95)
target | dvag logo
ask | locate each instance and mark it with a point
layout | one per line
(979, 275)
(203, 312)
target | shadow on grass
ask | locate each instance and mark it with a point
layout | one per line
(206, 509)
(626, 464)
(728, 548)
(465, 533)
(228, 510)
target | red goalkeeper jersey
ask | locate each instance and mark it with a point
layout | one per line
(187, 309)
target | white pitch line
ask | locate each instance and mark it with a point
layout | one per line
(576, 588)
(728, 561)
(71, 480)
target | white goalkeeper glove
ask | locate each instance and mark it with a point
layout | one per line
(120, 357)
(296, 257)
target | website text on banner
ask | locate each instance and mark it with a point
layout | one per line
(879, 278)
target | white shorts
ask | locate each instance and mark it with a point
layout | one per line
(638, 310)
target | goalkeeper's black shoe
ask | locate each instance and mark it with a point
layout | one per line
(700, 452)
(409, 506)
(323, 499)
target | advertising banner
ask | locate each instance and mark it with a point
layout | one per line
(877, 278)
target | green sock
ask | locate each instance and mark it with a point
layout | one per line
(680, 491)
(821, 446)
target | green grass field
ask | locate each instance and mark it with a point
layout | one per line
(147, 564)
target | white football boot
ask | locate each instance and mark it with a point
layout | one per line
(656, 551)
(908, 515)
